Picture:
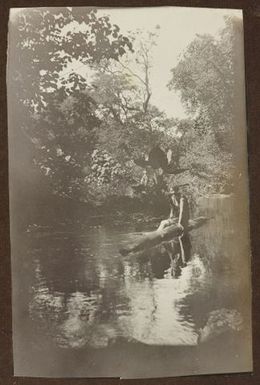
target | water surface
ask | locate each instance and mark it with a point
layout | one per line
(84, 310)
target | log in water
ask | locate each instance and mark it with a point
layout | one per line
(153, 238)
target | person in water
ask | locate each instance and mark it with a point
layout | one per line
(179, 207)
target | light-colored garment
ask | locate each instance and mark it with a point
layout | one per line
(144, 180)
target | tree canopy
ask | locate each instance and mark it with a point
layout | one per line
(85, 131)
(206, 77)
(53, 106)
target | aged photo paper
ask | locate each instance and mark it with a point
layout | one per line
(129, 206)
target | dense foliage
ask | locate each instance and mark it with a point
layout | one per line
(54, 109)
(84, 132)
(207, 78)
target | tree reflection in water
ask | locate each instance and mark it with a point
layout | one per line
(136, 299)
(85, 294)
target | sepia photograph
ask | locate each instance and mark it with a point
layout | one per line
(128, 186)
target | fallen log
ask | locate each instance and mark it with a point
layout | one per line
(153, 238)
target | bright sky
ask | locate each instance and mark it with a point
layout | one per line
(178, 27)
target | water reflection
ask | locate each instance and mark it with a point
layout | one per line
(156, 308)
(85, 294)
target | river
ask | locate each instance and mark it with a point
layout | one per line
(82, 309)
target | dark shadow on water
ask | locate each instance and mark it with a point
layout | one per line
(79, 304)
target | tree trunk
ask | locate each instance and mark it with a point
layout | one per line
(153, 238)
